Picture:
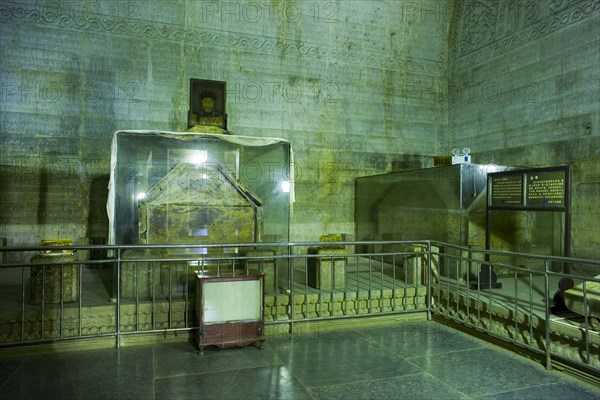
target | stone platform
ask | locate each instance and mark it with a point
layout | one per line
(145, 315)
(574, 298)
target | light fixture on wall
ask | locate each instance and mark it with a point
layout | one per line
(461, 156)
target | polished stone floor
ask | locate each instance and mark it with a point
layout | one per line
(402, 360)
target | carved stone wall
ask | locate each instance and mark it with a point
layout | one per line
(357, 87)
(524, 88)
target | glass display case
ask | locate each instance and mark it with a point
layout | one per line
(445, 204)
(448, 204)
(395, 206)
(197, 188)
(184, 188)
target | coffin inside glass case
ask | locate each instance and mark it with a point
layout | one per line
(195, 188)
(170, 187)
(186, 207)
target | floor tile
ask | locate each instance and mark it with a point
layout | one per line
(183, 359)
(421, 338)
(7, 368)
(414, 387)
(483, 371)
(322, 333)
(94, 374)
(556, 391)
(253, 383)
(344, 357)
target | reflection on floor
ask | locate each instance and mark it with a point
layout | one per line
(351, 360)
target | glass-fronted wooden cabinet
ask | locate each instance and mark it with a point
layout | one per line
(229, 309)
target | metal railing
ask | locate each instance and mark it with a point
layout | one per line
(54, 294)
(528, 310)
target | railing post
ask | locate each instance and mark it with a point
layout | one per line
(118, 316)
(428, 297)
(23, 304)
(586, 316)
(547, 314)
(291, 286)
(80, 305)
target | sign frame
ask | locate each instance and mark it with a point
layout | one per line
(534, 189)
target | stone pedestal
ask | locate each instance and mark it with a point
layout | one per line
(53, 283)
(416, 267)
(575, 302)
(329, 270)
(413, 268)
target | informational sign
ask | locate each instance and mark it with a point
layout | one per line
(540, 188)
(507, 190)
(546, 189)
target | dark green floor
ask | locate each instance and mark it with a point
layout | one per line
(410, 360)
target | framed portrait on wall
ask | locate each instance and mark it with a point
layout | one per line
(207, 104)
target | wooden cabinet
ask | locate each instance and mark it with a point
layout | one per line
(229, 309)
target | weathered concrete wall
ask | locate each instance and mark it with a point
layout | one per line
(525, 91)
(357, 87)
